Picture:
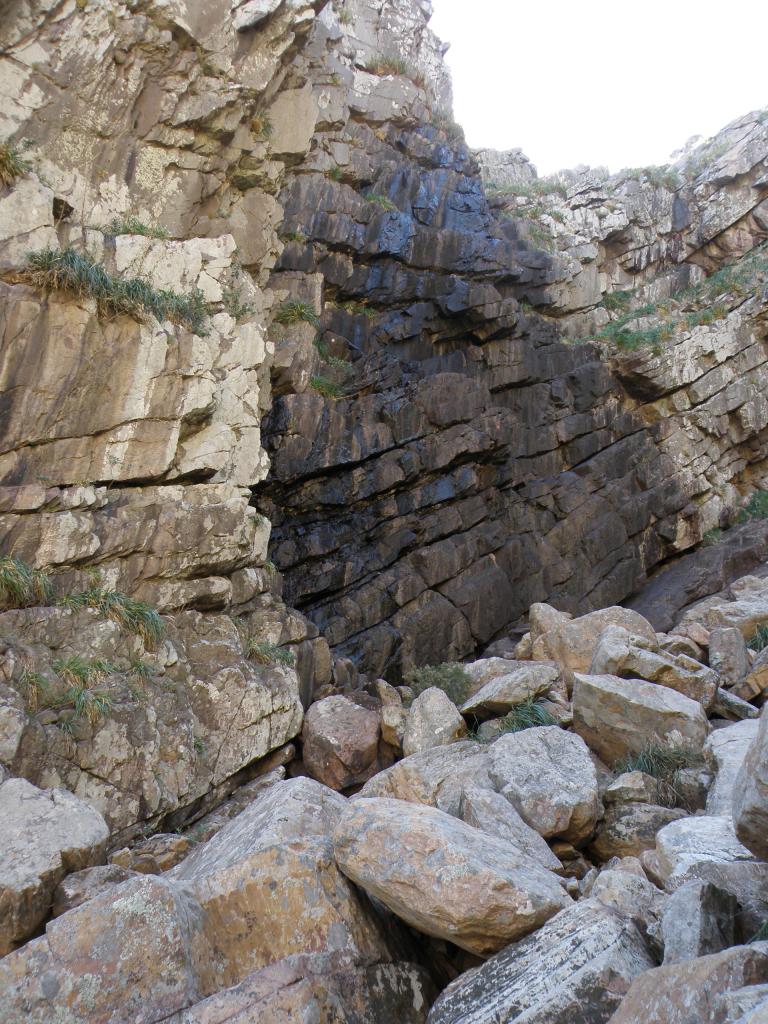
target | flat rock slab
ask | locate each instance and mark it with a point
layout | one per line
(576, 968)
(617, 717)
(321, 989)
(44, 835)
(444, 877)
(550, 779)
(750, 800)
(725, 751)
(693, 992)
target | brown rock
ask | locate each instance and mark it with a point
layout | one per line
(628, 829)
(572, 645)
(340, 742)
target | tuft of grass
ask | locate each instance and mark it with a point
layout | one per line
(661, 763)
(759, 639)
(389, 64)
(335, 362)
(756, 508)
(133, 616)
(71, 271)
(450, 677)
(528, 714)
(659, 175)
(22, 586)
(232, 300)
(133, 226)
(294, 236)
(295, 312)
(383, 201)
(12, 165)
(265, 653)
(712, 537)
(35, 688)
(531, 189)
(345, 17)
(326, 387)
(83, 672)
(335, 173)
(140, 669)
(261, 126)
(618, 301)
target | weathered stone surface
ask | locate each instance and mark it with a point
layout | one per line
(407, 855)
(130, 956)
(154, 855)
(322, 988)
(81, 886)
(619, 653)
(434, 777)
(750, 798)
(494, 814)
(548, 776)
(728, 655)
(523, 682)
(632, 787)
(693, 991)
(340, 742)
(633, 896)
(45, 835)
(628, 829)
(617, 717)
(725, 751)
(585, 959)
(433, 721)
(573, 644)
(698, 919)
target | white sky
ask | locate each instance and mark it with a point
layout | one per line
(602, 81)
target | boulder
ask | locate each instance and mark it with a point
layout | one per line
(433, 721)
(129, 956)
(340, 742)
(728, 655)
(618, 717)
(632, 787)
(154, 855)
(693, 992)
(548, 776)
(576, 968)
(45, 834)
(524, 682)
(572, 644)
(725, 751)
(434, 777)
(631, 895)
(620, 653)
(494, 814)
(444, 877)
(321, 989)
(747, 610)
(270, 888)
(750, 800)
(699, 918)
(84, 885)
(628, 829)
(543, 618)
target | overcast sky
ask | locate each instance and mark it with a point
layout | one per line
(603, 81)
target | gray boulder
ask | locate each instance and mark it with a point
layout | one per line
(750, 799)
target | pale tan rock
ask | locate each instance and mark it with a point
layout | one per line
(81, 886)
(153, 856)
(494, 814)
(725, 751)
(502, 692)
(340, 742)
(632, 787)
(749, 804)
(432, 776)
(393, 719)
(433, 721)
(524, 648)
(45, 834)
(617, 717)
(543, 618)
(572, 644)
(629, 829)
(407, 855)
(548, 776)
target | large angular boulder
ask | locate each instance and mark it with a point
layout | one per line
(728, 655)
(750, 799)
(550, 779)
(444, 877)
(620, 653)
(628, 829)
(270, 887)
(433, 721)
(130, 956)
(632, 896)
(747, 610)
(44, 835)
(320, 988)
(725, 751)
(436, 777)
(699, 918)
(693, 992)
(617, 717)
(525, 681)
(494, 814)
(340, 742)
(572, 644)
(576, 968)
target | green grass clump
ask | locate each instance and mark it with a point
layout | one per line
(450, 677)
(84, 675)
(659, 175)
(527, 715)
(294, 236)
(261, 126)
(133, 226)
(12, 165)
(335, 173)
(335, 362)
(71, 271)
(383, 201)
(232, 300)
(712, 537)
(388, 64)
(22, 586)
(295, 312)
(35, 688)
(326, 387)
(533, 188)
(133, 616)
(345, 17)
(618, 301)
(80, 671)
(757, 507)
(140, 669)
(265, 653)
(759, 639)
